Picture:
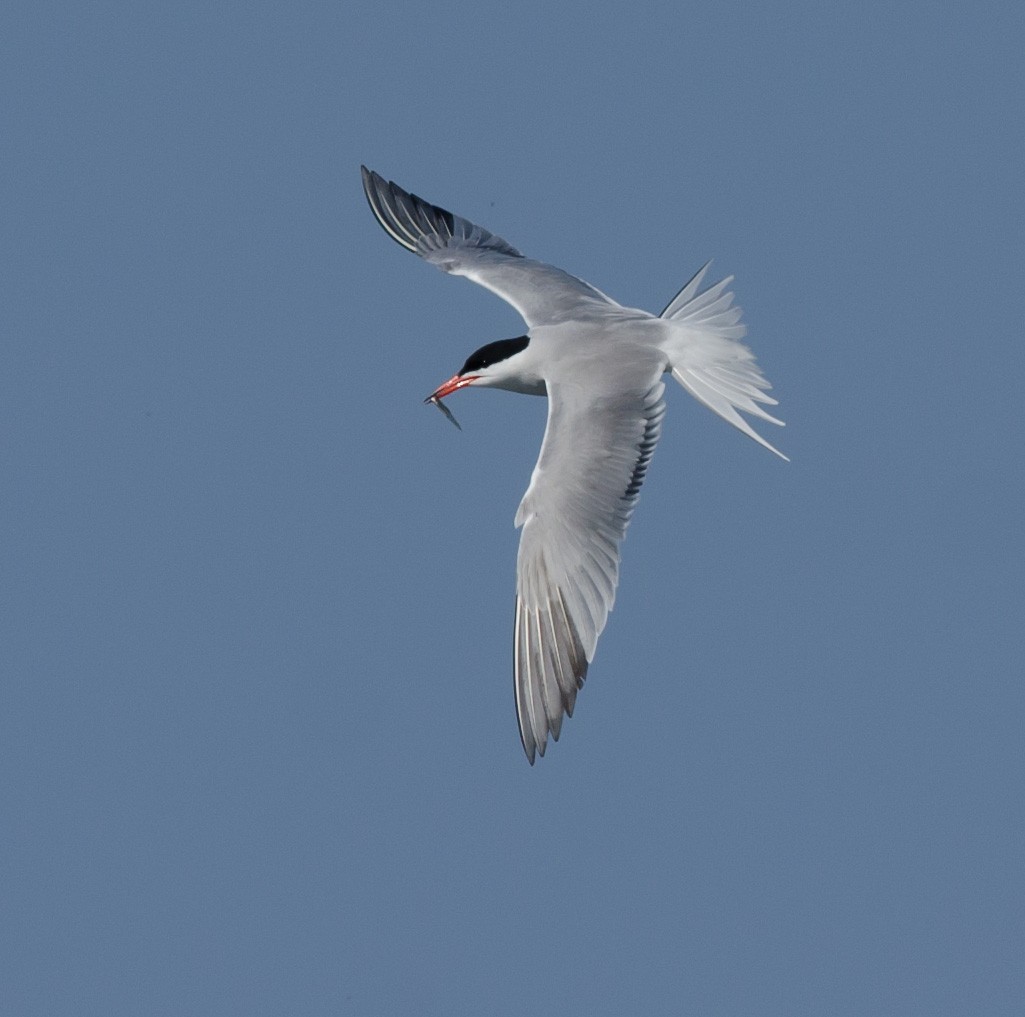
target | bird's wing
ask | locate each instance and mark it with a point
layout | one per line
(574, 515)
(544, 295)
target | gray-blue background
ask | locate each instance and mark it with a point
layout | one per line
(259, 750)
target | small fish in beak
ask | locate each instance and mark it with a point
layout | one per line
(444, 409)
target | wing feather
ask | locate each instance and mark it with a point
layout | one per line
(574, 516)
(541, 293)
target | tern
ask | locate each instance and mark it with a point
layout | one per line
(601, 366)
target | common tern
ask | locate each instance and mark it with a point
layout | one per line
(601, 366)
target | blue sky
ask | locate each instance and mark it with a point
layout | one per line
(258, 740)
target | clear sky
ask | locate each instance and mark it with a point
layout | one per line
(257, 739)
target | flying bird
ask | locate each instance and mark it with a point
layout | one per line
(601, 366)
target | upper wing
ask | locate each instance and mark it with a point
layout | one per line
(583, 491)
(541, 293)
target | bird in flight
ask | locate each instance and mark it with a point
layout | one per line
(600, 365)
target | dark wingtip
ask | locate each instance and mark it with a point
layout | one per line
(382, 196)
(408, 218)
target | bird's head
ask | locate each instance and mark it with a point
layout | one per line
(504, 363)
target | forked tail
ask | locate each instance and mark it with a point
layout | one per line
(708, 359)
